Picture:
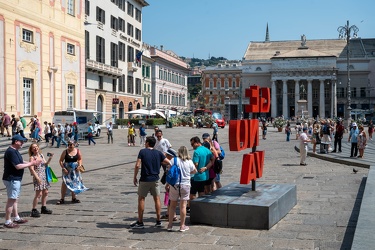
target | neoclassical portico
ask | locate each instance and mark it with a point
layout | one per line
(317, 90)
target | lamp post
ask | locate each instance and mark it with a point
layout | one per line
(334, 94)
(345, 32)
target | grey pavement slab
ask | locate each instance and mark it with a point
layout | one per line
(325, 216)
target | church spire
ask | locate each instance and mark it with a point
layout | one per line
(267, 35)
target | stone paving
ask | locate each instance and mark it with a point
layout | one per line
(329, 195)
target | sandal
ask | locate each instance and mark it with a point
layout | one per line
(59, 202)
(76, 200)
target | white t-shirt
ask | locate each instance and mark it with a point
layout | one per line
(163, 145)
(302, 138)
(186, 167)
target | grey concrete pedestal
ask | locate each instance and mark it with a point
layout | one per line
(236, 205)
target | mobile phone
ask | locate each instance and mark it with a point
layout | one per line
(49, 154)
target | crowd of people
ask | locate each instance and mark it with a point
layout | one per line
(329, 134)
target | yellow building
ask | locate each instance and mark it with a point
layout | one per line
(42, 60)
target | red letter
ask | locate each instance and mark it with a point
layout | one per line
(265, 100)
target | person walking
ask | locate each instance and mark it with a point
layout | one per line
(264, 129)
(131, 135)
(5, 124)
(182, 189)
(149, 161)
(304, 140)
(215, 132)
(142, 134)
(47, 132)
(370, 130)
(362, 141)
(41, 184)
(14, 167)
(288, 131)
(316, 136)
(70, 163)
(110, 132)
(90, 135)
(13, 124)
(162, 144)
(353, 135)
(339, 133)
(61, 136)
(20, 127)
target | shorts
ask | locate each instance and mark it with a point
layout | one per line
(209, 181)
(145, 187)
(13, 189)
(197, 186)
(217, 178)
(181, 192)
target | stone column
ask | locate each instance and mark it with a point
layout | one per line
(273, 99)
(296, 97)
(321, 100)
(285, 99)
(309, 98)
(333, 99)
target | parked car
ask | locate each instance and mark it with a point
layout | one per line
(219, 119)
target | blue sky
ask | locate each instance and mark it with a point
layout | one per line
(203, 28)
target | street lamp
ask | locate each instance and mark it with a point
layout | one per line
(334, 93)
(345, 32)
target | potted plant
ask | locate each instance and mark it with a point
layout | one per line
(279, 123)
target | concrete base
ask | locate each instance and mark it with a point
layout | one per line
(238, 206)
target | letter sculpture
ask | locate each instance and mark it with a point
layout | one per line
(244, 134)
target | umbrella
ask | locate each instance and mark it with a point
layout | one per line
(146, 112)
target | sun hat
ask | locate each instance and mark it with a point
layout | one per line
(171, 152)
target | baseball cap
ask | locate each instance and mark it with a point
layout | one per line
(171, 152)
(205, 135)
(18, 137)
(304, 128)
(354, 124)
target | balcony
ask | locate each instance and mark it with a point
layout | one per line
(132, 67)
(102, 68)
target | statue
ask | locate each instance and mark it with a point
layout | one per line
(303, 39)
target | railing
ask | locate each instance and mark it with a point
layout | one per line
(91, 64)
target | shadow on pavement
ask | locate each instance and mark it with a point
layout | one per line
(352, 224)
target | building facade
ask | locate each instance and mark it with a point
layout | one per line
(113, 38)
(169, 80)
(221, 89)
(311, 70)
(41, 57)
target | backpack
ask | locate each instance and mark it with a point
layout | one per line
(218, 166)
(222, 155)
(174, 174)
(325, 130)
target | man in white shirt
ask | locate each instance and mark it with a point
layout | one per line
(304, 140)
(162, 144)
(109, 132)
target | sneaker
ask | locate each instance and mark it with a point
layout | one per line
(137, 224)
(158, 223)
(45, 210)
(184, 228)
(20, 221)
(11, 225)
(35, 213)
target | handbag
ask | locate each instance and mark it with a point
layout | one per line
(81, 168)
(50, 175)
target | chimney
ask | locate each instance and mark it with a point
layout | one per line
(161, 47)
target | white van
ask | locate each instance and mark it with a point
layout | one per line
(81, 117)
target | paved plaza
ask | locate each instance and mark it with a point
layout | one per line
(329, 195)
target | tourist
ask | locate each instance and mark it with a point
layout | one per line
(304, 140)
(110, 132)
(362, 141)
(353, 135)
(14, 167)
(339, 133)
(41, 184)
(182, 189)
(142, 134)
(149, 161)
